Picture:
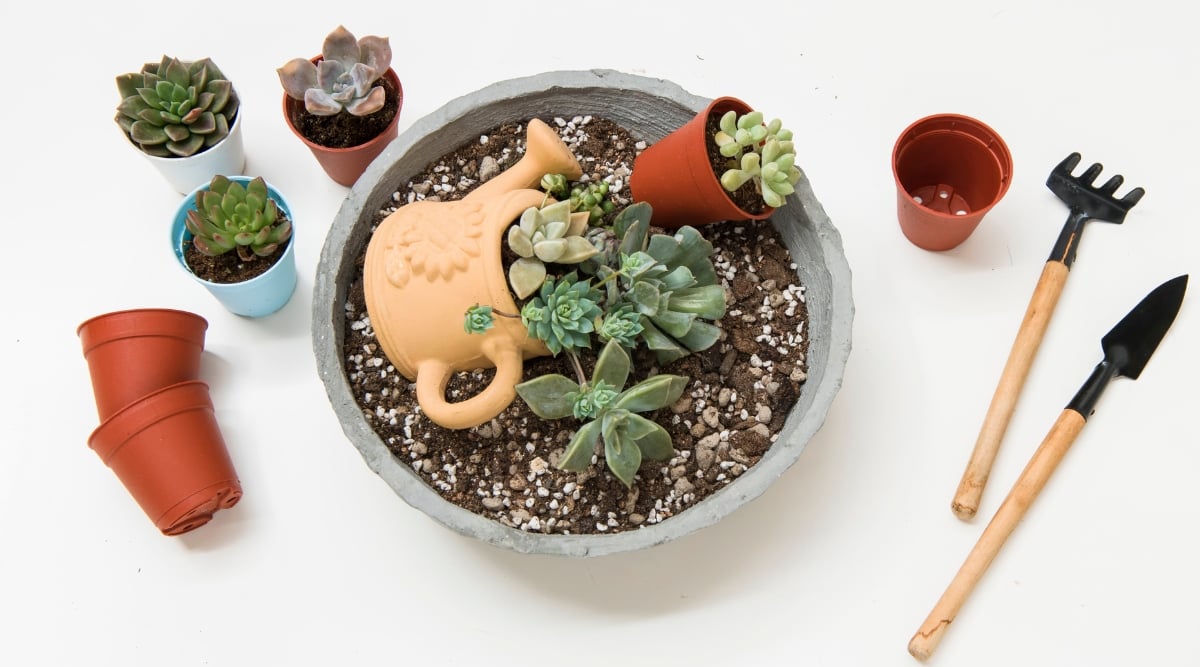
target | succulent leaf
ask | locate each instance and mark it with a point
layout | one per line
(578, 454)
(548, 395)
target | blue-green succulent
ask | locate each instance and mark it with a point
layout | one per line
(611, 412)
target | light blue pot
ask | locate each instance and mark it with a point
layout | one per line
(258, 296)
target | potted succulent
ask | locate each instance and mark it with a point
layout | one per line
(344, 104)
(723, 164)
(183, 116)
(234, 236)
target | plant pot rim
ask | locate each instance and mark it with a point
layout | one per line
(131, 312)
(178, 236)
(823, 268)
(98, 440)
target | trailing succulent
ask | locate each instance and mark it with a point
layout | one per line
(610, 412)
(762, 154)
(176, 109)
(344, 78)
(229, 216)
(591, 197)
(548, 234)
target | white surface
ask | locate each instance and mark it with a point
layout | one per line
(837, 564)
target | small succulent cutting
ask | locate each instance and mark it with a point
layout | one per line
(229, 216)
(344, 78)
(548, 234)
(761, 154)
(609, 411)
(176, 109)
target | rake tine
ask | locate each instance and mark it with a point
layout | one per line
(1068, 164)
(1088, 177)
(1111, 185)
(1133, 197)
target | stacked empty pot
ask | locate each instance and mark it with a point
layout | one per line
(158, 431)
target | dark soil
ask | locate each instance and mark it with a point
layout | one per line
(741, 389)
(344, 130)
(228, 267)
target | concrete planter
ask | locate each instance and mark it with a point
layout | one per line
(650, 109)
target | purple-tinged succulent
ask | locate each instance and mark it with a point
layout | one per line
(343, 79)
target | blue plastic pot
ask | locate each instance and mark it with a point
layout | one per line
(259, 296)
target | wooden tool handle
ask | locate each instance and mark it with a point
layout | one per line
(1004, 400)
(1022, 495)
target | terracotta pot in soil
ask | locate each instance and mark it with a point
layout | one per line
(433, 257)
(345, 165)
(950, 170)
(131, 353)
(676, 177)
(260, 295)
(650, 109)
(167, 449)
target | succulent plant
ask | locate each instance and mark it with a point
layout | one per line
(549, 234)
(628, 437)
(229, 216)
(344, 78)
(478, 319)
(176, 109)
(670, 282)
(762, 154)
(591, 197)
(563, 314)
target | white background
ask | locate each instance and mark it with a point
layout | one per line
(837, 564)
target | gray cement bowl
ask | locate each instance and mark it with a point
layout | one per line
(649, 108)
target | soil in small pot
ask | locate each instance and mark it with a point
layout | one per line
(741, 389)
(344, 130)
(228, 267)
(746, 197)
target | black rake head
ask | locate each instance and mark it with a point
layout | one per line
(1087, 200)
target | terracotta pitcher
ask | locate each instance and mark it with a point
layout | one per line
(428, 262)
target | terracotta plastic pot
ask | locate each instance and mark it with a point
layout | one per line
(131, 353)
(260, 296)
(167, 449)
(950, 170)
(675, 176)
(345, 165)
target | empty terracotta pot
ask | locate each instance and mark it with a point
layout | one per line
(675, 176)
(167, 449)
(131, 353)
(345, 165)
(950, 170)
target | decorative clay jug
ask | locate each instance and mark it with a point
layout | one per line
(428, 262)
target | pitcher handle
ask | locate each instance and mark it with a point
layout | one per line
(434, 374)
